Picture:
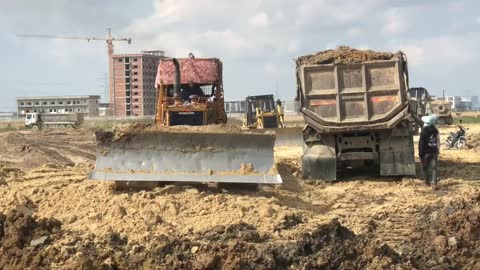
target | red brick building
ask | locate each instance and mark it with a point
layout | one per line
(132, 83)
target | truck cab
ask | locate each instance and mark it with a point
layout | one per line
(33, 120)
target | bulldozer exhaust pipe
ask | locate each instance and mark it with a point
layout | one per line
(176, 86)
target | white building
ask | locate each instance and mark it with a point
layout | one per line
(88, 105)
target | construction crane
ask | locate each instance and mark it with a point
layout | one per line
(109, 39)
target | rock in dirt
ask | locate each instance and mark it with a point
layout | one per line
(266, 211)
(452, 242)
(119, 211)
(440, 243)
(194, 249)
(38, 241)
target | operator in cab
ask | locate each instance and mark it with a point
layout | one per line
(428, 149)
(191, 89)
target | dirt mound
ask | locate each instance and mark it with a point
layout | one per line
(331, 246)
(22, 239)
(343, 55)
(448, 237)
(473, 141)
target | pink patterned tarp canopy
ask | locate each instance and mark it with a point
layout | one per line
(201, 71)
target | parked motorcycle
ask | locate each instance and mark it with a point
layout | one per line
(457, 140)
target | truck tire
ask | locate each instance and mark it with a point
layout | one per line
(34, 127)
(70, 127)
(441, 108)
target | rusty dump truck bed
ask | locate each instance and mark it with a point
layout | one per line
(354, 92)
(358, 114)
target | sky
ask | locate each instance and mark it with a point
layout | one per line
(257, 40)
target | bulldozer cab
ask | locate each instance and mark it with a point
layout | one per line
(263, 112)
(190, 92)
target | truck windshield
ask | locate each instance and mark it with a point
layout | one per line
(29, 116)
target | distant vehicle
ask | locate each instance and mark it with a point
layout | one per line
(457, 140)
(442, 108)
(263, 113)
(67, 120)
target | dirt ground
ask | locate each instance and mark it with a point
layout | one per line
(52, 217)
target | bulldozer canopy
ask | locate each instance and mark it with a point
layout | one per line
(196, 70)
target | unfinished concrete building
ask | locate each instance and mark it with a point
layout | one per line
(132, 83)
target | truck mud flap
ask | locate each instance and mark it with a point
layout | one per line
(397, 156)
(189, 157)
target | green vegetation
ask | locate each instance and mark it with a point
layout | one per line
(467, 119)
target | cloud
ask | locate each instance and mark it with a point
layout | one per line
(354, 31)
(270, 68)
(260, 20)
(293, 46)
(330, 12)
(456, 6)
(396, 22)
(478, 19)
(220, 27)
(443, 52)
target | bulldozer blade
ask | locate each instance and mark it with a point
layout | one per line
(189, 157)
(289, 136)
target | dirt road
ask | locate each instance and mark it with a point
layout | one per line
(52, 217)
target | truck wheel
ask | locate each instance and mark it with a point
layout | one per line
(34, 127)
(61, 126)
(441, 108)
(69, 126)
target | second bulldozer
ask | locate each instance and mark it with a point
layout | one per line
(189, 142)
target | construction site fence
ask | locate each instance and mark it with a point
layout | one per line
(240, 107)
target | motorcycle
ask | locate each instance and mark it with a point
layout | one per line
(457, 140)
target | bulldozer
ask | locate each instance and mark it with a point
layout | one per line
(189, 141)
(262, 112)
(442, 108)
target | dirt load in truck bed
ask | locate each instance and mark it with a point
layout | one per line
(343, 55)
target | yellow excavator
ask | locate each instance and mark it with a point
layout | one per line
(189, 141)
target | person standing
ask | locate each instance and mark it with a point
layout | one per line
(429, 149)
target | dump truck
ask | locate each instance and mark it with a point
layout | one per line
(189, 141)
(358, 113)
(53, 120)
